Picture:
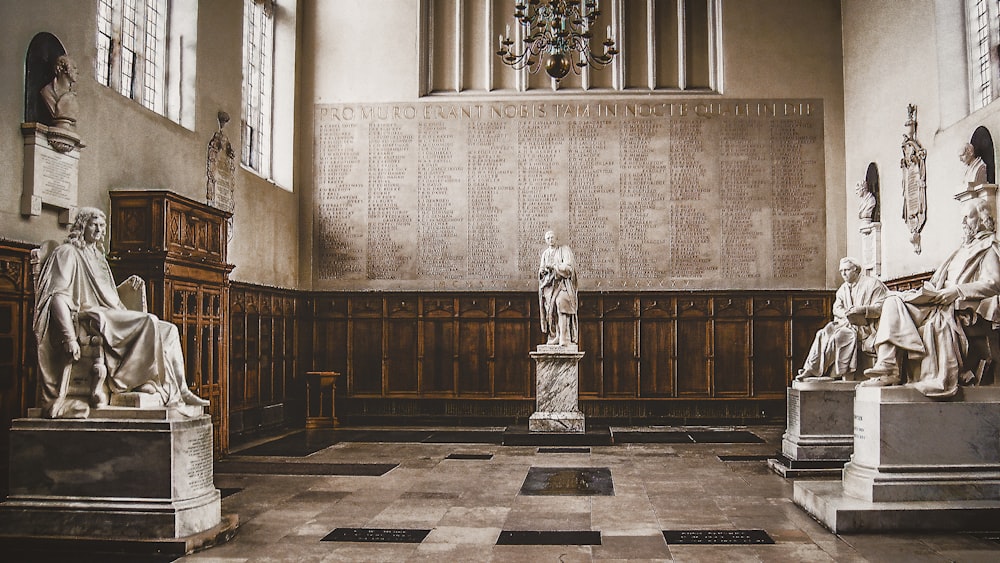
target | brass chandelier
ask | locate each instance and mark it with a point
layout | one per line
(559, 30)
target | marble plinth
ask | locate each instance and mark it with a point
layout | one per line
(917, 464)
(122, 479)
(819, 431)
(557, 390)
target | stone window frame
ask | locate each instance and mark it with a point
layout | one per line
(983, 42)
(257, 108)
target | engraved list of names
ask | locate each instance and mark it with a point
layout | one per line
(679, 194)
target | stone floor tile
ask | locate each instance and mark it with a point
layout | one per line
(626, 547)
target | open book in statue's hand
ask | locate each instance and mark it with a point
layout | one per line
(924, 295)
(132, 293)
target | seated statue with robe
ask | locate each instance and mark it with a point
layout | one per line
(929, 326)
(139, 352)
(834, 352)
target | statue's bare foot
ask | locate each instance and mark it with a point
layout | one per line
(190, 398)
(146, 388)
(880, 381)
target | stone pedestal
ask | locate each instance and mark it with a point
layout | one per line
(148, 478)
(819, 434)
(557, 390)
(918, 464)
(871, 249)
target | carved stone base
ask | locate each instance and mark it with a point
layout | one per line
(135, 479)
(557, 390)
(918, 464)
(819, 432)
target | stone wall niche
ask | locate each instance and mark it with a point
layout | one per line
(51, 143)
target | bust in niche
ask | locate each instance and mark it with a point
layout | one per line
(975, 168)
(866, 202)
(60, 94)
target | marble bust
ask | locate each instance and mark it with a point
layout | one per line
(866, 202)
(557, 293)
(60, 94)
(975, 168)
(78, 308)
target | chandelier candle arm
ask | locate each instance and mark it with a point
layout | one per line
(557, 30)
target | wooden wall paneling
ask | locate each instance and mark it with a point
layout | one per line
(657, 346)
(694, 339)
(590, 342)
(620, 351)
(438, 348)
(238, 351)
(329, 351)
(475, 346)
(364, 367)
(18, 371)
(809, 314)
(731, 347)
(516, 330)
(401, 345)
(771, 347)
(265, 359)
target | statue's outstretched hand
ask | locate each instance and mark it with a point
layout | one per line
(946, 296)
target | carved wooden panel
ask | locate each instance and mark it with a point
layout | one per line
(18, 379)
(178, 246)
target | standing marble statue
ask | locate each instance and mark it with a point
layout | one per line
(141, 352)
(60, 94)
(927, 324)
(855, 314)
(557, 293)
(975, 168)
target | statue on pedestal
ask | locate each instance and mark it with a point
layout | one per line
(557, 293)
(975, 168)
(931, 324)
(855, 314)
(78, 305)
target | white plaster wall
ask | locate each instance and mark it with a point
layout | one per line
(365, 51)
(899, 53)
(130, 147)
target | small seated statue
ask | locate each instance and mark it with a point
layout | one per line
(834, 352)
(141, 353)
(930, 325)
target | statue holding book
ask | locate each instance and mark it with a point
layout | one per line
(79, 311)
(930, 325)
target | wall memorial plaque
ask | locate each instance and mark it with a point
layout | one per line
(679, 194)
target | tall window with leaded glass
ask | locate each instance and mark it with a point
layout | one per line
(258, 85)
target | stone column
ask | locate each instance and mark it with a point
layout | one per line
(557, 390)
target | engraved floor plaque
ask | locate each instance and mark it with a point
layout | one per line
(376, 535)
(483, 457)
(716, 537)
(564, 450)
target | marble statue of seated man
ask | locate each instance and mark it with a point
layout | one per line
(141, 353)
(834, 351)
(928, 325)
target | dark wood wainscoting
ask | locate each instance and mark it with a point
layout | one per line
(18, 364)
(266, 384)
(665, 355)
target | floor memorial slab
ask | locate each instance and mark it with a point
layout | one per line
(376, 535)
(716, 537)
(564, 450)
(526, 537)
(568, 481)
(484, 457)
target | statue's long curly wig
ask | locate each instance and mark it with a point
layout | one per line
(83, 217)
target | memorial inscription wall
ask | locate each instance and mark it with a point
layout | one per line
(681, 194)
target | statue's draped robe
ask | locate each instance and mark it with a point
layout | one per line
(139, 348)
(836, 344)
(557, 290)
(934, 334)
